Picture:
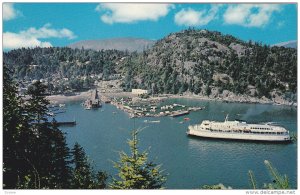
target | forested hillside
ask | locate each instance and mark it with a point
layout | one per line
(195, 61)
(62, 68)
(202, 61)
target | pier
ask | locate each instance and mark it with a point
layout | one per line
(66, 123)
(179, 113)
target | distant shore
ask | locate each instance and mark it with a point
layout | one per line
(236, 99)
(81, 96)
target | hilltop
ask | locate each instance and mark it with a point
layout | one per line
(211, 64)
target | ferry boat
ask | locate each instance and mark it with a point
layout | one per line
(240, 130)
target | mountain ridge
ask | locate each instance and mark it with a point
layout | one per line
(130, 44)
(287, 44)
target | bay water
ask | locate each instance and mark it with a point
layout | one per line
(188, 162)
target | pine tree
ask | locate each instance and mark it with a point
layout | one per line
(135, 172)
(37, 103)
(278, 181)
(60, 159)
(83, 175)
(14, 124)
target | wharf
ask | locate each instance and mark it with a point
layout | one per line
(179, 113)
(66, 123)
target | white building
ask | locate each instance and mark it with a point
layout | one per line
(139, 91)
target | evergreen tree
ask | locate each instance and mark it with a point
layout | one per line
(35, 150)
(135, 172)
(83, 176)
(15, 136)
(278, 181)
(50, 153)
(37, 103)
(60, 159)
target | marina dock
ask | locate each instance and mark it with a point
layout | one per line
(179, 113)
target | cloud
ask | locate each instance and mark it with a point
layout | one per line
(9, 12)
(130, 13)
(31, 37)
(47, 32)
(191, 17)
(250, 15)
(14, 40)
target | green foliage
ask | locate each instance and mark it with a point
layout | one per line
(35, 153)
(168, 64)
(176, 58)
(135, 172)
(54, 64)
(83, 174)
(278, 181)
(14, 133)
(294, 137)
(252, 180)
(36, 105)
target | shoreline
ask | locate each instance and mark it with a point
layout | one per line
(237, 99)
(82, 96)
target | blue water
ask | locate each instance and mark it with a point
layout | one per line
(189, 162)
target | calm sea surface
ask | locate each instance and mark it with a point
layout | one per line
(189, 162)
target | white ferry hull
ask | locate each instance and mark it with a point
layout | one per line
(237, 136)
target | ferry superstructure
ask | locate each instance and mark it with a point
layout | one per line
(239, 130)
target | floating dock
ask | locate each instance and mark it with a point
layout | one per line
(66, 123)
(179, 113)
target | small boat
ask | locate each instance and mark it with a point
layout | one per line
(88, 107)
(62, 105)
(186, 119)
(50, 113)
(147, 121)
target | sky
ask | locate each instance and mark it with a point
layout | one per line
(60, 24)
